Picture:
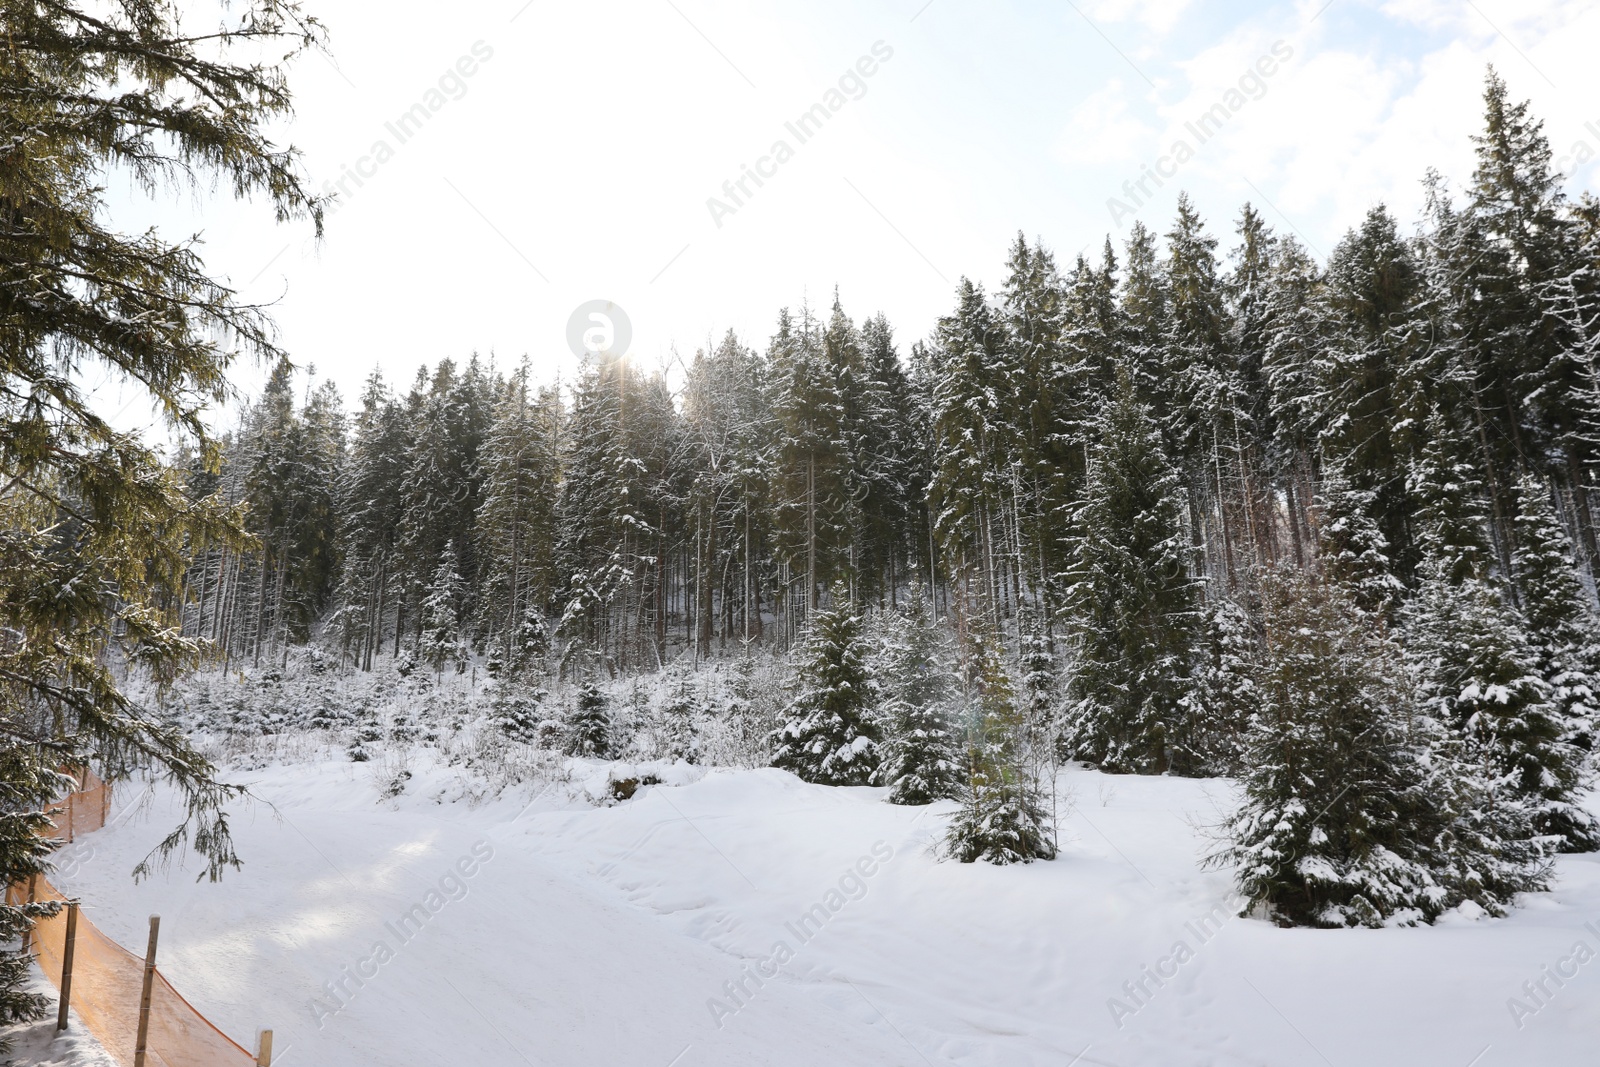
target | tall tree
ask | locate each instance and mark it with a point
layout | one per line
(516, 523)
(1132, 601)
(95, 530)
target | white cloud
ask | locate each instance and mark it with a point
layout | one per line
(1102, 130)
(1157, 15)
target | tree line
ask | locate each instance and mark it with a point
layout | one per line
(1199, 498)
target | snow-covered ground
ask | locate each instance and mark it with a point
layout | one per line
(744, 917)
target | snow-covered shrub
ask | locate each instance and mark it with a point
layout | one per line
(830, 737)
(589, 727)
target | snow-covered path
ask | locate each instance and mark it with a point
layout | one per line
(563, 934)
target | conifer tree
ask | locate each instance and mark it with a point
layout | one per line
(370, 498)
(1039, 679)
(1373, 406)
(1561, 624)
(1002, 818)
(442, 642)
(1355, 809)
(1132, 604)
(96, 533)
(1482, 678)
(1047, 466)
(890, 467)
(974, 446)
(920, 759)
(1211, 734)
(516, 523)
(811, 465)
(831, 736)
(516, 711)
(1550, 754)
(589, 729)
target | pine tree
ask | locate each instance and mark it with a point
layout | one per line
(442, 642)
(831, 737)
(1355, 810)
(1566, 658)
(1560, 621)
(1211, 736)
(589, 728)
(1132, 604)
(516, 523)
(810, 513)
(1002, 819)
(920, 761)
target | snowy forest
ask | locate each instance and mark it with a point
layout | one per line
(1191, 505)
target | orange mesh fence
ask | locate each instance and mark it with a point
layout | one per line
(82, 810)
(108, 980)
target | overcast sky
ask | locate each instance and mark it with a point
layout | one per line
(570, 152)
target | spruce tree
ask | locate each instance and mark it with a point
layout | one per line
(1482, 680)
(811, 459)
(974, 444)
(1480, 669)
(1132, 604)
(831, 736)
(920, 759)
(1560, 620)
(589, 728)
(1038, 679)
(1355, 808)
(1002, 818)
(442, 642)
(1566, 658)
(1372, 409)
(516, 710)
(515, 525)
(1211, 736)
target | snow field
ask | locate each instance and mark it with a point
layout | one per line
(729, 917)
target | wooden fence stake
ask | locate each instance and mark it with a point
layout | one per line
(144, 997)
(264, 1046)
(66, 965)
(30, 940)
(69, 817)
